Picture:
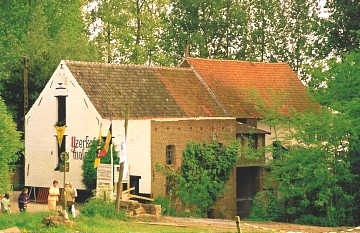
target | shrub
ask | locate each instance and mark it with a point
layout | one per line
(265, 207)
(165, 208)
(315, 221)
(97, 207)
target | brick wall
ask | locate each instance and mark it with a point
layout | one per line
(179, 133)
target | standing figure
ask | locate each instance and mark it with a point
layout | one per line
(5, 204)
(69, 196)
(75, 193)
(54, 194)
(23, 200)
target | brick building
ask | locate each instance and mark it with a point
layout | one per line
(203, 99)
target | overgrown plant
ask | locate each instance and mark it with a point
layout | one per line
(204, 170)
(97, 207)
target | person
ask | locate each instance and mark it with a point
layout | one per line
(23, 200)
(5, 204)
(54, 194)
(73, 211)
(69, 195)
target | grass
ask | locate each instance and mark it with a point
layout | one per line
(32, 222)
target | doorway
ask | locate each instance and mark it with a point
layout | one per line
(247, 185)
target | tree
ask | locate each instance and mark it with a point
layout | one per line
(313, 177)
(10, 145)
(204, 170)
(126, 31)
(341, 93)
(342, 26)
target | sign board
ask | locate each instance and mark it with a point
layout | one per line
(62, 166)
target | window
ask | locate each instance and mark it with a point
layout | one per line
(170, 183)
(61, 109)
(170, 154)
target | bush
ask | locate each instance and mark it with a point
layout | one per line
(265, 207)
(97, 207)
(314, 221)
(165, 210)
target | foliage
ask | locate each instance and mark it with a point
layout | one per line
(342, 26)
(10, 144)
(204, 170)
(32, 222)
(313, 176)
(166, 208)
(281, 31)
(313, 221)
(338, 88)
(126, 31)
(89, 172)
(265, 207)
(97, 207)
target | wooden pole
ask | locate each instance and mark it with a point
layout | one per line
(26, 80)
(238, 225)
(121, 170)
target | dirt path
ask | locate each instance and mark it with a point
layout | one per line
(258, 226)
(247, 225)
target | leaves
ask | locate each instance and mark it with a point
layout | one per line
(203, 172)
(10, 145)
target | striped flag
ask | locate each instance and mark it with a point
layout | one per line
(107, 143)
(98, 149)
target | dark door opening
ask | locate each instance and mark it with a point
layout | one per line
(247, 185)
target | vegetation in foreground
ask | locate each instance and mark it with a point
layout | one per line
(97, 216)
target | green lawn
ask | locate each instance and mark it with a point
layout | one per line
(32, 222)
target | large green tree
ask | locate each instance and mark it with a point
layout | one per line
(259, 30)
(126, 31)
(342, 26)
(10, 144)
(313, 178)
(338, 88)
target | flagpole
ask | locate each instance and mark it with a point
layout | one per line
(112, 170)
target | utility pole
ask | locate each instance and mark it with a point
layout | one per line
(26, 91)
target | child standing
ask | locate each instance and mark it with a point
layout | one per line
(23, 200)
(5, 204)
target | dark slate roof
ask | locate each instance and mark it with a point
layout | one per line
(240, 87)
(151, 92)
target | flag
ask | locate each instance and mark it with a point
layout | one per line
(60, 131)
(107, 143)
(98, 149)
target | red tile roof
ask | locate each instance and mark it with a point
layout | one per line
(152, 92)
(241, 87)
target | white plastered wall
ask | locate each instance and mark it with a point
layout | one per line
(83, 125)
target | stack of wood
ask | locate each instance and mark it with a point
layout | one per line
(134, 208)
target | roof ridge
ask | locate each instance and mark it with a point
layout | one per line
(124, 65)
(234, 60)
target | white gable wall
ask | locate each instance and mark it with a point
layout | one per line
(83, 124)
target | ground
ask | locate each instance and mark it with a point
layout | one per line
(220, 224)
